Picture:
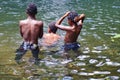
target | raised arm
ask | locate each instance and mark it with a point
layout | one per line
(62, 18)
(80, 19)
(66, 28)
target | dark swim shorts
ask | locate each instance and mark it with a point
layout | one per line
(24, 47)
(71, 46)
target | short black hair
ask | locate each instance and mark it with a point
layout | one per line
(52, 27)
(32, 9)
(72, 16)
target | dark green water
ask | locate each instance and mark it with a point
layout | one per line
(99, 57)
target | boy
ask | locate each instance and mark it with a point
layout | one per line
(30, 30)
(72, 31)
(51, 37)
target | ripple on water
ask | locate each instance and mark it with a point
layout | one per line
(118, 70)
(80, 64)
(100, 48)
(96, 36)
(100, 64)
(93, 28)
(9, 22)
(111, 34)
(85, 74)
(1, 34)
(103, 57)
(100, 23)
(101, 72)
(67, 78)
(93, 61)
(50, 64)
(83, 57)
(113, 77)
(89, 20)
(115, 6)
(109, 63)
(96, 51)
(74, 71)
(86, 50)
(96, 79)
(66, 61)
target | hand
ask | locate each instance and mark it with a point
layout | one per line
(67, 13)
(81, 17)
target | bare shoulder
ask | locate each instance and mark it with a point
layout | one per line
(22, 22)
(46, 35)
(40, 23)
(56, 36)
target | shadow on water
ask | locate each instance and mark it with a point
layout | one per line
(99, 55)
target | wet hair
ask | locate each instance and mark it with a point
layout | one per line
(52, 27)
(31, 9)
(72, 16)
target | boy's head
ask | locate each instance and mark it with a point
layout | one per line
(72, 16)
(31, 9)
(52, 27)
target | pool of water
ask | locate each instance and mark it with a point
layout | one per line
(99, 55)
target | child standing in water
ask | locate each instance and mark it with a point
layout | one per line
(30, 30)
(75, 22)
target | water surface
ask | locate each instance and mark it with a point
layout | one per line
(99, 57)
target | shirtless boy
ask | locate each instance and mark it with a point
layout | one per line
(30, 30)
(51, 37)
(75, 22)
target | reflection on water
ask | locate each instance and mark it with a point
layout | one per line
(99, 55)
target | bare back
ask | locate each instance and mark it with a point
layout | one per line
(50, 39)
(71, 36)
(31, 30)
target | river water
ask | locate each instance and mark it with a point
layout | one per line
(99, 55)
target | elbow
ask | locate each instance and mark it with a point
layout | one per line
(56, 25)
(83, 15)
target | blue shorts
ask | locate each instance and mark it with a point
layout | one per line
(24, 47)
(71, 46)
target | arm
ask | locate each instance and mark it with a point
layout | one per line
(66, 28)
(62, 18)
(80, 19)
(41, 30)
